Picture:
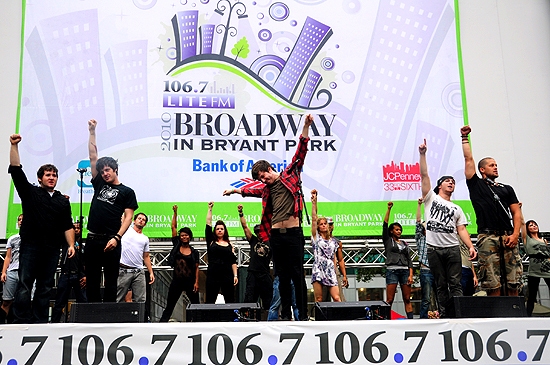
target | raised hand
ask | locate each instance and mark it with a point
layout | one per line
(423, 148)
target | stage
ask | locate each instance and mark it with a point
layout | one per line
(426, 341)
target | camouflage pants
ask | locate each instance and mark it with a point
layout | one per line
(488, 246)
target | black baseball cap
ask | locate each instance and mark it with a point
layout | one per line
(440, 181)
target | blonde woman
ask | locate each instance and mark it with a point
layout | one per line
(324, 254)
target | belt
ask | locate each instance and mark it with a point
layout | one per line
(286, 230)
(129, 269)
(495, 232)
(98, 235)
(430, 247)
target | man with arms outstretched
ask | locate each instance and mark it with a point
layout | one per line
(281, 221)
(498, 218)
(111, 201)
(444, 219)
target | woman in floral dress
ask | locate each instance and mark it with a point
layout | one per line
(324, 253)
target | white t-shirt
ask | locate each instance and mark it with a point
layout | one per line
(442, 218)
(133, 246)
(14, 242)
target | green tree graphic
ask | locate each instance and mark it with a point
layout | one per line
(241, 48)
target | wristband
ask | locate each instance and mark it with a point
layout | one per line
(117, 238)
(241, 214)
(464, 136)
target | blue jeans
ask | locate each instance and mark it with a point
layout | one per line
(66, 282)
(273, 313)
(427, 282)
(37, 262)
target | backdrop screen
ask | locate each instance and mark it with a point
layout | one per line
(189, 94)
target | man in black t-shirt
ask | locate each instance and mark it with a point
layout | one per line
(46, 228)
(258, 281)
(111, 201)
(498, 219)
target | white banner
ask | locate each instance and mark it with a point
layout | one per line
(468, 341)
(189, 94)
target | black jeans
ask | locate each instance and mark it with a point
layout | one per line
(259, 285)
(533, 288)
(288, 259)
(174, 293)
(219, 280)
(446, 266)
(96, 259)
(36, 263)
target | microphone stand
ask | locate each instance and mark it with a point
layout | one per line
(81, 171)
(301, 194)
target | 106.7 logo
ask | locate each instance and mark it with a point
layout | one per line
(322, 348)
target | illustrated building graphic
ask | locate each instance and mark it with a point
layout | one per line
(207, 38)
(127, 65)
(312, 81)
(384, 111)
(185, 25)
(312, 37)
(66, 56)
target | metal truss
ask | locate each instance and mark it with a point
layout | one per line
(358, 253)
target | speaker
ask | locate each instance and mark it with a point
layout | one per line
(229, 312)
(107, 312)
(345, 311)
(485, 307)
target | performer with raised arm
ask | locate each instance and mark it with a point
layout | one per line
(539, 260)
(282, 202)
(324, 247)
(221, 274)
(47, 226)
(445, 221)
(111, 201)
(258, 280)
(498, 218)
(399, 268)
(185, 261)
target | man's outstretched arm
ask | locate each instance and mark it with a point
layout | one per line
(92, 146)
(425, 178)
(469, 163)
(15, 160)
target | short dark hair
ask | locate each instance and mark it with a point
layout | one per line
(106, 161)
(47, 167)
(483, 162)
(188, 231)
(395, 224)
(260, 166)
(143, 214)
(257, 230)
